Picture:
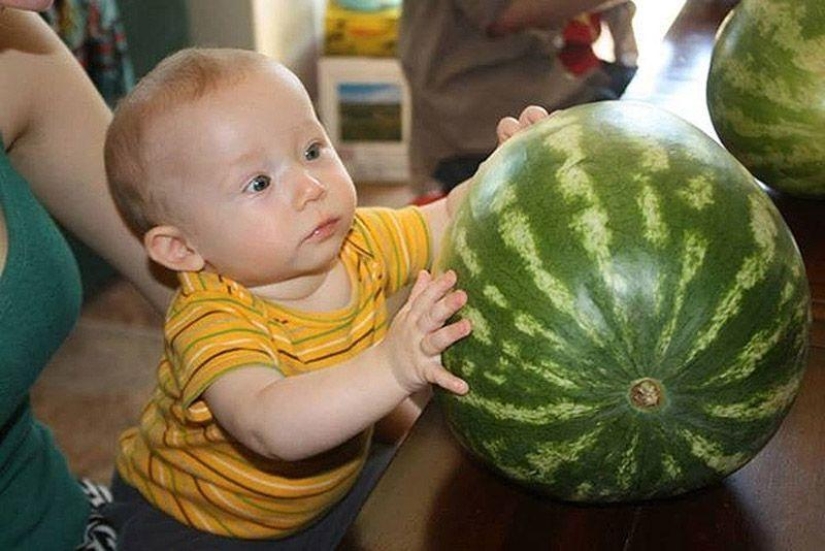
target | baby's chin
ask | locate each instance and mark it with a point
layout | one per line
(282, 285)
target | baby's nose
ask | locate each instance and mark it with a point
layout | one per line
(308, 188)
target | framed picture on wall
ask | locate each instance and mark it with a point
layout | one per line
(364, 103)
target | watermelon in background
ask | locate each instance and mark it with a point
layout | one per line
(766, 92)
(640, 310)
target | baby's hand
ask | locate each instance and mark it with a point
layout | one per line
(418, 335)
(509, 126)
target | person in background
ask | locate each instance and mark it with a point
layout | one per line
(52, 125)
(470, 62)
(279, 353)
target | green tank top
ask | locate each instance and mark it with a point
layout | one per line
(41, 505)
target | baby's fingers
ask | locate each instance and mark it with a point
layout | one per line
(436, 342)
(448, 381)
(509, 126)
(531, 115)
(506, 128)
(442, 310)
(420, 284)
(431, 292)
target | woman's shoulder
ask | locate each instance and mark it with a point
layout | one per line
(28, 50)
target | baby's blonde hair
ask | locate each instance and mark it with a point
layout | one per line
(183, 77)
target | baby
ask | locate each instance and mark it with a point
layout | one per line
(279, 354)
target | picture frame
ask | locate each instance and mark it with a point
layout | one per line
(364, 104)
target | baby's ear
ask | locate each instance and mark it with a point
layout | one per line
(168, 247)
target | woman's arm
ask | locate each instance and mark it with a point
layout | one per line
(525, 14)
(54, 124)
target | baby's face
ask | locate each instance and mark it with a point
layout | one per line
(258, 188)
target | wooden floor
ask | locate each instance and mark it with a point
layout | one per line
(433, 496)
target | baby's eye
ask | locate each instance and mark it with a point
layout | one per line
(258, 184)
(312, 152)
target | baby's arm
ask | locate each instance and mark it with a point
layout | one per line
(296, 417)
(439, 213)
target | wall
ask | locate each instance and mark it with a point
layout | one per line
(288, 30)
(222, 23)
(291, 32)
(154, 28)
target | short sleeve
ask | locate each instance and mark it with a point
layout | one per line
(400, 240)
(207, 338)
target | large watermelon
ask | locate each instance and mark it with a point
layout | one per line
(640, 310)
(766, 92)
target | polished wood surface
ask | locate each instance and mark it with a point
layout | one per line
(434, 496)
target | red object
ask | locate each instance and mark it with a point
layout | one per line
(428, 197)
(577, 54)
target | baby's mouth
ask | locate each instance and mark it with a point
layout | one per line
(324, 230)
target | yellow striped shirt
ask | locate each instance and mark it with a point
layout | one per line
(182, 461)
